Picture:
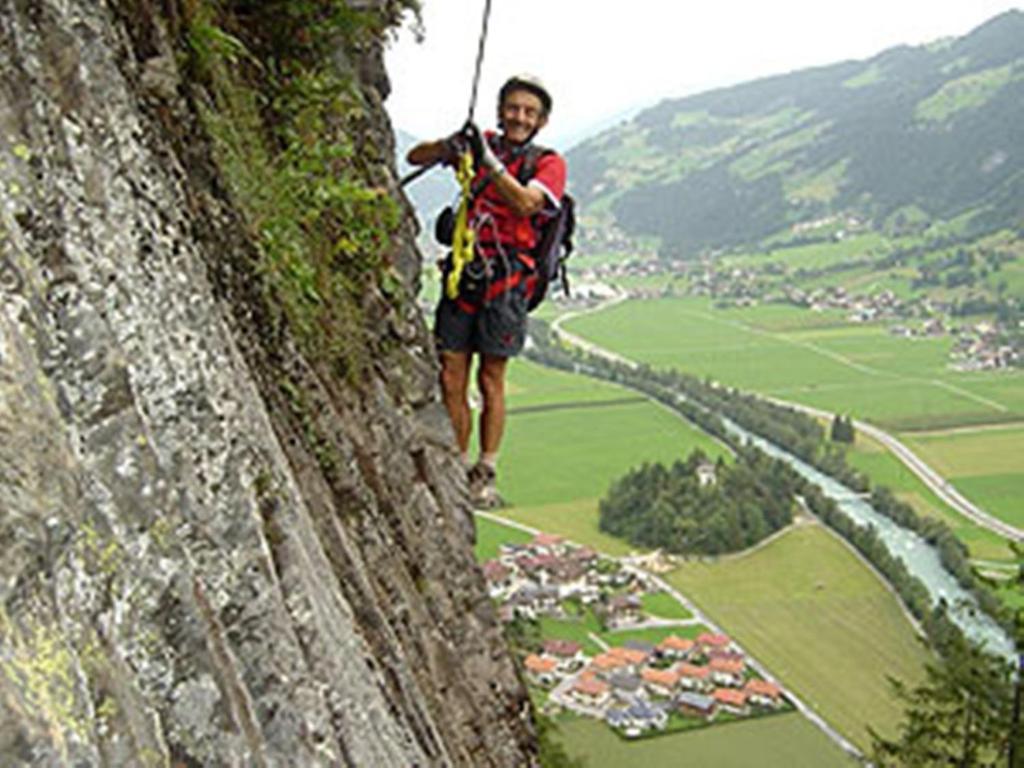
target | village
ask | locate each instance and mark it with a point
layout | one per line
(636, 687)
(977, 345)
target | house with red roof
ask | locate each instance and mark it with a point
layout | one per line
(675, 647)
(727, 671)
(660, 682)
(624, 609)
(693, 677)
(567, 654)
(541, 670)
(709, 641)
(764, 693)
(634, 657)
(591, 692)
(499, 578)
(547, 543)
(606, 664)
(732, 700)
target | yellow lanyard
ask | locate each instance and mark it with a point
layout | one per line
(464, 238)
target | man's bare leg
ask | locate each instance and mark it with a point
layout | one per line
(491, 380)
(454, 391)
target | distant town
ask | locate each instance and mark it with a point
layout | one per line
(636, 687)
(978, 345)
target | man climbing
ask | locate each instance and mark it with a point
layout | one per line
(514, 190)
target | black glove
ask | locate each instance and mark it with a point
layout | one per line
(483, 155)
(454, 146)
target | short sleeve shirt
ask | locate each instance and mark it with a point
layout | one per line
(491, 216)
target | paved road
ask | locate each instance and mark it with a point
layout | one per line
(936, 482)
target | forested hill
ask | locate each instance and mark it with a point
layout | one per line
(932, 132)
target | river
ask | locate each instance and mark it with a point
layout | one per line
(921, 559)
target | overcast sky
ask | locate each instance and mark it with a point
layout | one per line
(601, 59)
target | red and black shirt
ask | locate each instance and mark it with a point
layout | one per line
(491, 217)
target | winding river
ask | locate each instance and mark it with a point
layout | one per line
(922, 559)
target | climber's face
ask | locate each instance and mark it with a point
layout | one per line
(520, 115)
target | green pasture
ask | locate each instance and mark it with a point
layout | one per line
(820, 620)
(780, 741)
(664, 606)
(885, 469)
(530, 385)
(986, 465)
(999, 494)
(566, 454)
(816, 255)
(858, 369)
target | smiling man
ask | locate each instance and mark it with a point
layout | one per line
(517, 185)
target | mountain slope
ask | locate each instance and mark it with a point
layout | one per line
(935, 129)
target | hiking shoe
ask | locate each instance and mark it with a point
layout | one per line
(483, 490)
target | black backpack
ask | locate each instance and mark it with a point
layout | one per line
(554, 241)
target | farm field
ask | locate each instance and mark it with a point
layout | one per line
(902, 385)
(586, 448)
(983, 464)
(820, 620)
(805, 356)
(566, 453)
(779, 741)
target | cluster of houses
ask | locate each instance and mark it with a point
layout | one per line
(637, 687)
(535, 579)
(982, 347)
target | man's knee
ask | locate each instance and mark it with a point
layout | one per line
(454, 375)
(491, 377)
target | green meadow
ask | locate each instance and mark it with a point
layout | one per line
(820, 620)
(983, 464)
(780, 741)
(812, 358)
(804, 604)
(819, 359)
(568, 437)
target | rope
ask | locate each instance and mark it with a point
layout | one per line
(479, 61)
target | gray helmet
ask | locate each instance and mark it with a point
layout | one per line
(526, 82)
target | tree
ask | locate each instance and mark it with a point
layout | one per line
(960, 715)
(842, 429)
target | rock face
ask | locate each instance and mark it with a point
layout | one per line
(213, 553)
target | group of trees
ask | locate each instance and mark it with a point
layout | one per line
(842, 430)
(675, 509)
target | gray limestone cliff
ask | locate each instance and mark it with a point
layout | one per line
(218, 548)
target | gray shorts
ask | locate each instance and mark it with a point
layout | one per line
(496, 328)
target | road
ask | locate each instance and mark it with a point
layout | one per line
(935, 482)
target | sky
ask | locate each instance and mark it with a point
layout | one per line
(604, 60)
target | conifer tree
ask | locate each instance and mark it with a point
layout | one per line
(959, 716)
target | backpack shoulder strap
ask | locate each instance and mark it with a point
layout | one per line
(531, 156)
